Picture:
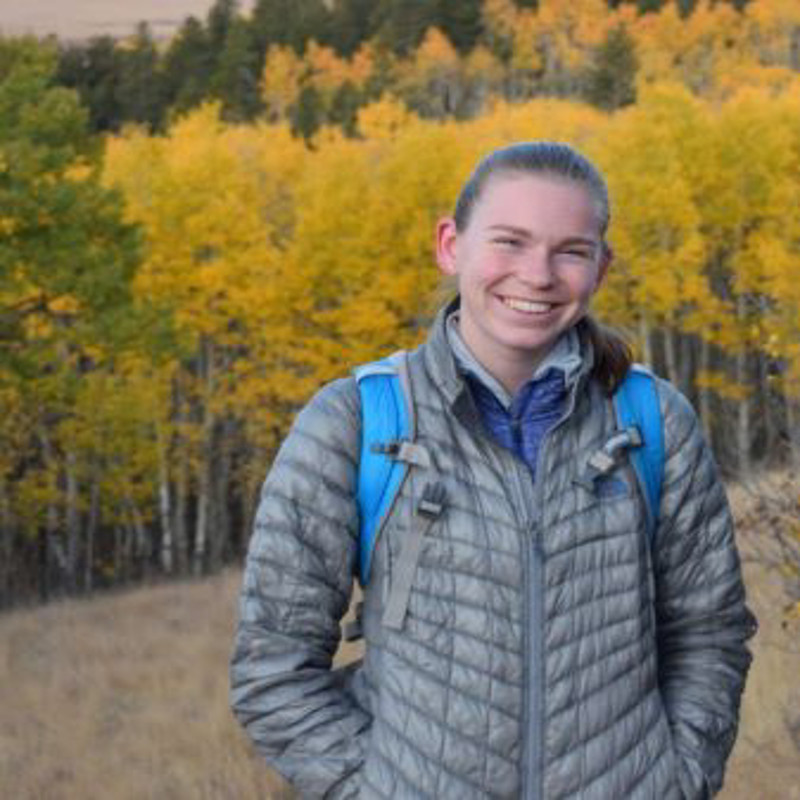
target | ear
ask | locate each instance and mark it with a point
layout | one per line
(446, 237)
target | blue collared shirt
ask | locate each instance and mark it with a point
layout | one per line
(520, 422)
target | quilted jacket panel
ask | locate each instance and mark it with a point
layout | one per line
(547, 651)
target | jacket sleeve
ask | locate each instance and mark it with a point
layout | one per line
(701, 617)
(297, 584)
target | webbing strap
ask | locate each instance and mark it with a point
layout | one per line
(386, 417)
(403, 573)
(636, 405)
(430, 508)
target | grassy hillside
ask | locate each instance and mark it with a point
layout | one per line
(125, 696)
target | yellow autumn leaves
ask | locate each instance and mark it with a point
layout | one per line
(271, 265)
(311, 260)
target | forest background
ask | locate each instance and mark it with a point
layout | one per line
(197, 231)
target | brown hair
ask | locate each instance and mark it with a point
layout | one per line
(554, 159)
(613, 355)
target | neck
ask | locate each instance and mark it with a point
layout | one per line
(511, 368)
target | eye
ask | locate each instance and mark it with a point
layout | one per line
(508, 242)
(582, 253)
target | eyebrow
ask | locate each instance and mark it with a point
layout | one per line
(510, 229)
(525, 234)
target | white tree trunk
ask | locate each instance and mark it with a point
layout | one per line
(164, 506)
(705, 393)
(793, 426)
(91, 532)
(206, 465)
(671, 356)
(73, 523)
(645, 343)
(743, 410)
(6, 545)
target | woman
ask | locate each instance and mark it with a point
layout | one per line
(548, 648)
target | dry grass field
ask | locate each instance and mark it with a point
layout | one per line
(125, 697)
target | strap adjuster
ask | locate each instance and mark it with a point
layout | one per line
(607, 457)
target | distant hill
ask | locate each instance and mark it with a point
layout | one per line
(81, 19)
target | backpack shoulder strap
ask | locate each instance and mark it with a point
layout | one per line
(636, 404)
(387, 420)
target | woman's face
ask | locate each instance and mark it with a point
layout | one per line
(528, 263)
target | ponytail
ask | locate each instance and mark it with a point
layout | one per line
(613, 355)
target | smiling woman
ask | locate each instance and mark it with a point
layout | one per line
(528, 262)
(537, 623)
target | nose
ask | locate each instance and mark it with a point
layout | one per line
(536, 268)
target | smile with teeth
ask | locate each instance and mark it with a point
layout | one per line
(527, 306)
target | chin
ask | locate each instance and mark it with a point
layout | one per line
(531, 349)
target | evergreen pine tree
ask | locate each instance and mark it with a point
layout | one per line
(307, 114)
(93, 70)
(344, 107)
(220, 18)
(649, 6)
(462, 22)
(611, 81)
(352, 22)
(401, 24)
(187, 66)
(290, 22)
(139, 91)
(64, 235)
(235, 81)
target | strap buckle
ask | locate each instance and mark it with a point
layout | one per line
(604, 460)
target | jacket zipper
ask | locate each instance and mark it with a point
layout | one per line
(534, 673)
(533, 714)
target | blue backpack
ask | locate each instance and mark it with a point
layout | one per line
(388, 448)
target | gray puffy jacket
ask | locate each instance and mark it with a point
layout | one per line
(547, 652)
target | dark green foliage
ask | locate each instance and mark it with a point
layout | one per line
(401, 24)
(94, 71)
(235, 80)
(187, 67)
(36, 117)
(116, 83)
(220, 18)
(611, 82)
(64, 236)
(224, 58)
(308, 113)
(290, 22)
(462, 23)
(352, 23)
(344, 108)
(139, 91)
(646, 6)
(685, 7)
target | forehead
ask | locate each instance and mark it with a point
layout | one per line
(543, 204)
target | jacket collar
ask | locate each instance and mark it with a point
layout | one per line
(564, 358)
(444, 370)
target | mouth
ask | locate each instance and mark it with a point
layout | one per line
(527, 306)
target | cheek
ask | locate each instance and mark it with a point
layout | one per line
(485, 268)
(583, 284)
